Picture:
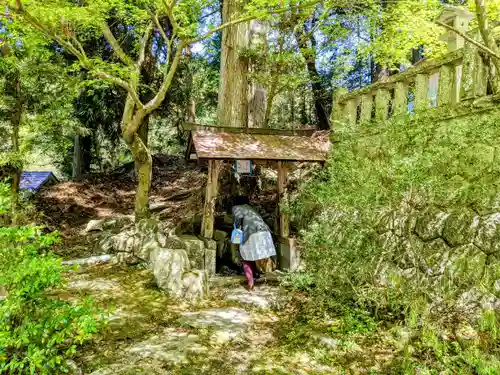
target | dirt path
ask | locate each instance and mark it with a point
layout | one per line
(232, 332)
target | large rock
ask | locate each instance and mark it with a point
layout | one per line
(195, 285)
(114, 224)
(134, 242)
(168, 268)
(435, 257)
(195, 249)
(409, 252)
(430, 224)
(178, 270)
(460, 228)
(488, 236)
(173, 274)
(210, 261)
(226, 324)
(189, 226)
(467, 266)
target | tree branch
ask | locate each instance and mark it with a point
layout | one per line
(249, 18)
(469, 39)
(120, 82)
(173, 22)
(77, 52)
(167, 81)
(108, 34)
(144, 44)
(160, 28)
(482, 20)
(168, 42)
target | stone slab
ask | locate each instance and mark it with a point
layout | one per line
(262, 297)
(226, 324)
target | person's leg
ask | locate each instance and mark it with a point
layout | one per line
(248, 271)
(255, 269)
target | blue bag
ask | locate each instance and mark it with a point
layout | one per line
(237, 236)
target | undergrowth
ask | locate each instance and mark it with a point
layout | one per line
(39, 333)
(371, 170)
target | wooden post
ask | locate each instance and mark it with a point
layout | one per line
(382, 100)
(457, 84)
(350, 112)
(366, 107)
(445, 85)
(432, 91)
(282, 196)
(470, 70)
(421, 92)
(337, 108)
(481, 78)
(401, 98)
(211, 192)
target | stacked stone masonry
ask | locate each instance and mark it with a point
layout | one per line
(439, 247)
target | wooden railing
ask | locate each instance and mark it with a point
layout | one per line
(456, 79)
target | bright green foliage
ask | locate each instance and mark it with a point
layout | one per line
(451, 165)
(38, 332)
(43, 98)
(5, 199)
(399, 26)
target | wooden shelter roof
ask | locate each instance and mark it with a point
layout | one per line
(220, 129)
(254, 146)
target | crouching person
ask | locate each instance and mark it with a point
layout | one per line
(253, 235)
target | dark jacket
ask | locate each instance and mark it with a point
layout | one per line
(248, 219)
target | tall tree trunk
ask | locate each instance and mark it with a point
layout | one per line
(77, 158)
(257, 93)
(144, 166)
(270, 97)
(191, 107)
(303, 109)
(82, 156)
(144, 131)
(307, 46)
(141, 154)
(15, 120)
(232, 109)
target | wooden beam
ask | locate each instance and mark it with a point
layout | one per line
(211, 193)
(187, 126)
(284, 220)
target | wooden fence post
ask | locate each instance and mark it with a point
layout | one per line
(366, 107)
(400, 98)
(421, 92)
(382, 99)
(337, 108)
(350, 112)
(282, 196)
(445, 85)
(211, 192)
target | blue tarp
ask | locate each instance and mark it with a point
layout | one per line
(32, 181)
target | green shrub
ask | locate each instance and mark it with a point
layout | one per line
(450, 165)
(38, 331)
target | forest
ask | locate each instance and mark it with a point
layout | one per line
(370, 132)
